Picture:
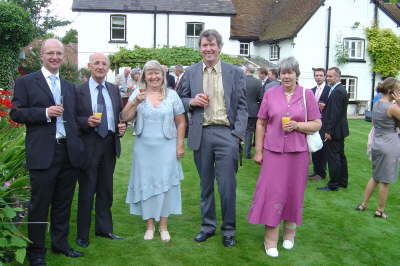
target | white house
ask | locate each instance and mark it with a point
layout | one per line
(104, 26)
(315, 31)
(311, 30)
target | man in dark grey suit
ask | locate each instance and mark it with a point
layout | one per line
(336, 129)
(101, 136)
(254, 93)
(214, 93)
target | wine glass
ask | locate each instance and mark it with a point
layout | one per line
(61, 103)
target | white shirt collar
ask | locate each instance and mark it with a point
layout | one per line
(47, 73)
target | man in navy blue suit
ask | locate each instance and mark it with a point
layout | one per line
(321, 92)
(45, 103)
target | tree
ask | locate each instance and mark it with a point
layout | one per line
(16, 31)
(70, 36)
(40, 15)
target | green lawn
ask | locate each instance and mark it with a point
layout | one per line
(332, 232)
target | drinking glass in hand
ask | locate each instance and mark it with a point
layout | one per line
(98, 110)
(61, 103)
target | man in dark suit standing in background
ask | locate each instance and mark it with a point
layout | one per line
(263, 75)
(336, 130)
(321, 92)
(45, 103)
(101, 136)
(272, 79)
(254, 93)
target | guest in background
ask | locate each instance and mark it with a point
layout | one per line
(134, 81)
(101, 135)
(336, 129)
(178, 74)
(321, 91)
(273, 79)
(154, 188)
(263, 75)
(281, 149)
(170, 79)
(385, 149)
(122, 82)
(254, 93)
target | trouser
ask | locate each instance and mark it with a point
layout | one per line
(337, 163)
(53, 187)
(217, 158)
(248, 141)
(97, 180)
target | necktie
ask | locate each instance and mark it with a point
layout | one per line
(102, 129)
(209, 92)
(55, 90)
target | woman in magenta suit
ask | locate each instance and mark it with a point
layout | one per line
(281, 149)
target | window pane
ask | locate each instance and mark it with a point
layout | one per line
(190, 29)
(118, 21)
(192, 42)
(118, 34)
(359, 49)
(198, 29)
(353, 49)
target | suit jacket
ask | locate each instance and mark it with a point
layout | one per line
(85, 110)
(178, 87)
(254, 93)
(32, 96)
(271, 84)
(324, 95)
(235, 100)
(335, 114)
(170, 80)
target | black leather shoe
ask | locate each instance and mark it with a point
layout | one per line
(69, 252)
(328, 188)
(343, 186)
(203, 236)
(229, 241)
(82, 243)
(37, 262)
(110, 235)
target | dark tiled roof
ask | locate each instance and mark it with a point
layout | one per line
(276, 19)
(212, 7)
(391, 9)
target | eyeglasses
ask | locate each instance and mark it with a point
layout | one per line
(54, 54)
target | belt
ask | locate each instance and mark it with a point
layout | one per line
(61, 141)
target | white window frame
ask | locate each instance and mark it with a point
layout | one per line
(274, 52)
(351, 89)
(117, 28)
(354, 48)
(244, 48)
(192, 39)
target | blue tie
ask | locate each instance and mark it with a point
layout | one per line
(55, 90)
(103, 127)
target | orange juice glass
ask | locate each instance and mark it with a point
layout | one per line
(285, 120)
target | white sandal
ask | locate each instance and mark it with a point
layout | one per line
(165, 237)
(149, 234)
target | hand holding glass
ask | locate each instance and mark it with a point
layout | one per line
(98, 110)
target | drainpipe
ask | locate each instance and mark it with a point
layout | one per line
(168, 30)
(155, 28)
(328, 38)
(373, 73)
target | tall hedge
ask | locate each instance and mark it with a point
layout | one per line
(16, 31)
(166, 56)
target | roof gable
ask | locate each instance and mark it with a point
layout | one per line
(391, 9)
(210, 7)
(271, 20)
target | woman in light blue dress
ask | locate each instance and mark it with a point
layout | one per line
(154, 186)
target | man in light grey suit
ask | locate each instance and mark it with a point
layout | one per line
(214, 93)
(254, 93)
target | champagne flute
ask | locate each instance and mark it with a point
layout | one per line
(61, 103)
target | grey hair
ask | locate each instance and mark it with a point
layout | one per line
(155, 65)
(337, 71)
(288, 65)
(94, 54)
(179, 68)
(211, 35)
(251, 69)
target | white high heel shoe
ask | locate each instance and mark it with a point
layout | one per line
(288, 244)
(272, 252)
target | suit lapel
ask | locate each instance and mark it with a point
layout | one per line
(227, 79)
(114, 100)
(85, 94)
(42, 84)
(198, 79)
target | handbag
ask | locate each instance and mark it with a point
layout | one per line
(314, 140)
